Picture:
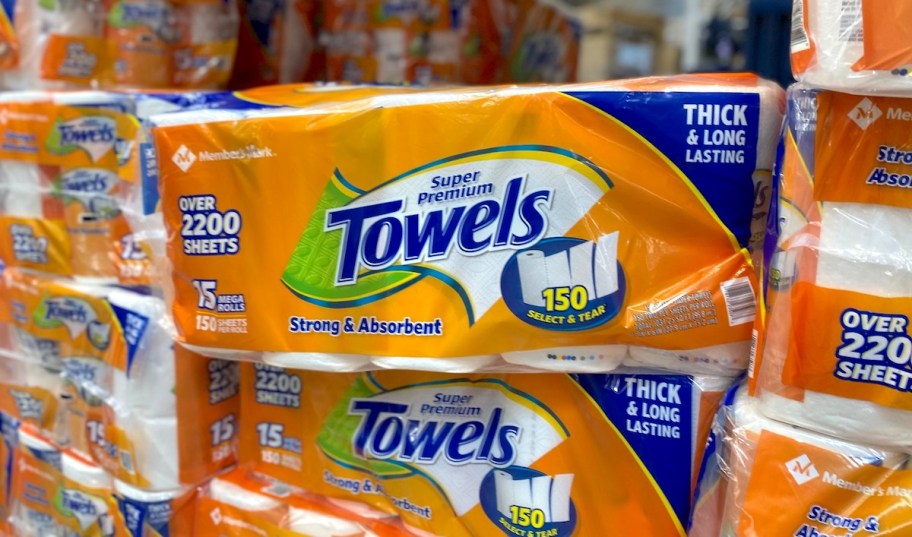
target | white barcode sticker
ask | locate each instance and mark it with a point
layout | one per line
(752, 362)
(800, 40)
(740, 301)
(851, 29)
(278, 489)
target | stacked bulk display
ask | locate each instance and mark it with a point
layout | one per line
(818, 442)
(419, 281)
(108, 426)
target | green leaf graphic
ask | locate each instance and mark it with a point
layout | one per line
(49, 5)
(339, 429)
(39, 316)
(54, 143)
(116, 17)
(58, 504)
(311, 270)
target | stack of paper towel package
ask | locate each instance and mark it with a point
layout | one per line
(384, 262)
(387, 273)
(818, 442)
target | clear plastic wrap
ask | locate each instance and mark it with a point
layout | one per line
(859, 46)
(762, 477)
(125, 396)
(242, 504)
(546, 270)
(65, 160)
(120, 43)
(475, 455)
(835, 345)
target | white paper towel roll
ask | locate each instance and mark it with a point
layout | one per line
(155, 444)
(728, 359)
(318, 361)
(20, 189)
(594, 359)
(533, 277)
(850, 419)
(560, 497)
(605, 265)
(866, 248)
(314, 524)
(231, 494)
(465, 364)
(503, 490)
(148, 390)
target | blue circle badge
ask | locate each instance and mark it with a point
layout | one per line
(565, 283)
(523, 501)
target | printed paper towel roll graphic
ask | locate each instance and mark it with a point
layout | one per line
(592, 266)
(541, 495)
(550, 495)
(503, 489)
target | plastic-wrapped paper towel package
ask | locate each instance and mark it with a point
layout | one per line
(836, 354)
(64, 160)
(853, 45)
(526, 223)
(124, 43)
(151, 413)
(247, 504)
(55, 492)
(486, 455)
(762, 477)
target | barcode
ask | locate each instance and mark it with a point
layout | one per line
(126, 461)
(739, 301)
(851, 29)
(280, 490)
(800, 39)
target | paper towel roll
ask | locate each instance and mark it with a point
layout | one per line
(465, 364)
(850, 419)
(865, 248)
(20, 189)
(36, 443)
(728, 359)
(85, 473)
(233, 495)
(533, 277)
(594, 359)
(318, 361)
(560, 497)
(156, 449)
(841, 38)
(314, 524)
(360, 509)
(147, 391)
(605, 265)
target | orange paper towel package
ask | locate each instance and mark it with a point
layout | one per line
(763, 477)
(64, 161)
(836, 353)
(152, 414)
(487, 455)
(529, 213)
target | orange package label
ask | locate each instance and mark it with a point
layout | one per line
(38, 244)
(807, 491)
(486, 455)
(864, 152)
(858, 346)
(437, 243)
(75, 59)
